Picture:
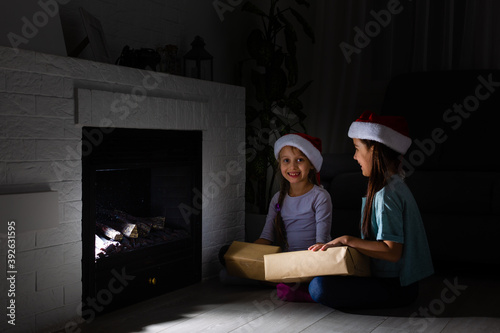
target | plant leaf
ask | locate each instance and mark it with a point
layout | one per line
(290, 39)
(307, 28)
(259, 49)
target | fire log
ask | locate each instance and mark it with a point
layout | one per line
(127, 229)
(143, 229)
(109, 232)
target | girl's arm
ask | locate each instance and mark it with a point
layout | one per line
(385, 250)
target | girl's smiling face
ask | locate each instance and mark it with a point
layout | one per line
(364, 156)
(294, 165)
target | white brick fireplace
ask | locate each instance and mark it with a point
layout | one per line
(45, 101)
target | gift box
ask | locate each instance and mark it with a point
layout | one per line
(246, 260)
(302, 266)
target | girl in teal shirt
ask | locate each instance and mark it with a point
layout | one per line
(392, 232)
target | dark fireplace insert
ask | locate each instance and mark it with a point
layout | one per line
(138, 241)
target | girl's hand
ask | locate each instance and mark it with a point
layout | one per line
(340, 241)
(316, 246)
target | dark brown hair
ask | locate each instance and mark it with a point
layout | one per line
(385, 162)
(280, 236)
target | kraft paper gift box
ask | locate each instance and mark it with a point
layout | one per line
(246, 260)
(302, 266)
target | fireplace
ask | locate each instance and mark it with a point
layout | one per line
(137, 240)
(49, 100)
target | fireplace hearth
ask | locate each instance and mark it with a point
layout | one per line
(134, 181)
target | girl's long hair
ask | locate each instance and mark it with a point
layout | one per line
(279, 225)
(384, 160)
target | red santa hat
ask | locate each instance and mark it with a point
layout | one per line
(309, 145)
(392, 131)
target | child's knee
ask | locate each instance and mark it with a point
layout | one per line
(316, 289)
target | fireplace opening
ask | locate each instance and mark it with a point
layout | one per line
(137, 241)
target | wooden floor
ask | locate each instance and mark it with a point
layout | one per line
(447, 304)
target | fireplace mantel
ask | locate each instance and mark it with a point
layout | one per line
(45, 100)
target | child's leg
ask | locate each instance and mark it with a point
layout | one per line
(361, 292)
(294, 292)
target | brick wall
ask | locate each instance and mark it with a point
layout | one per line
(44, 102)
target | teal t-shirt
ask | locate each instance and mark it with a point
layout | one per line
(396, 217)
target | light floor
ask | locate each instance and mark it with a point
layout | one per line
(447, 304)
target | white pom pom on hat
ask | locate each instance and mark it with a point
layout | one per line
(309, 145)
(392, 131)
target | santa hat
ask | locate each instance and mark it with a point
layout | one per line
(392, 131)
(309, 145)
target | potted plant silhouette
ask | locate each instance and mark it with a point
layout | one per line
(274, 109)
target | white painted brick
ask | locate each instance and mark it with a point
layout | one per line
(73, 293)
(23, 82)
(240, 191)
(35, 259)
(17, 104)
(58, 276)
(101, 104)
(58, 149)
(64, 233)
(3, 173)
(138, 117)
(210, 252)
(66, 170)
(73, 211)
(52, 86)
(17, 59)
(224, 212)
(68, 190)
(182, 118)
(35, 127)
(25, 283)
(213, 238)
(2, 80)
(60, 212)
(159, 117)
(41, 301)
(54, 107)
(171, 112)
(72, 252)
(25, 241)
(17, 150)
(56, 319)
(217, 119)
(63, 66)
(72, 130)
(41, 172)
(68, 88)
(84, 106)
